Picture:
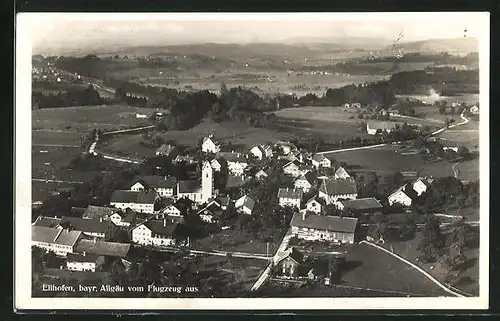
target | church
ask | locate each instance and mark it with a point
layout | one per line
(198, 191)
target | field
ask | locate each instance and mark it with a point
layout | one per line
(469, 170)
(470, 275)
(462, 98)
(368, 267)
(389, 159)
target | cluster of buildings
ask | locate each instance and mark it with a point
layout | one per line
(52, 74)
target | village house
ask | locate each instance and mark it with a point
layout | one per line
(294, 169)
(257, 152)
(315, 205)
(261, 174)
(210, 212)
(400, 196)
(290, 197)
(164, 186)
(187, 159)
(332, 190)
(324, 228)
(171, 208)
(99, 212)
(374, 127)
(90, 227)
(474, 110)
(103, 248)
(139, 201)
(216, 165)
(209, 145)
(236, 162)
(268, 150)
(341, 173)
(58, 240)
(125, 219)
(320, 160)
(244, 205)
(420, 185)
(286, 147)
(394, 112)
(46, 221)
(168, 151)
(289, 262)
(305, 182)
(361, 206)
(154, 233)
(84, 262)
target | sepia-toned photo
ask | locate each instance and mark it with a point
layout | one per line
(252, 161)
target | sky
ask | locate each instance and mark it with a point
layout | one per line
(78, 31)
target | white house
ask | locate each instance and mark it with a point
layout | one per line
(261, 174)
(287, 147)
(139, 201)
(400, 196)
(258, 152)
(154, 233)
(91, 227)
(164, 186)
(320, 160)
(268, 150)
(216, 165)
(84, 262)
(324, 228)
(293, 168)
(209, 145)
(332, 190)
(244, 205)
(315, 205)
(474, 110)
(236, 162)
(305, 182)
(341, 173)
(171, 210)
(372, 127)
(290, 197)
(420, 185)
(58, 240)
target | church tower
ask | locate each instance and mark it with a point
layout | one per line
(207, 182)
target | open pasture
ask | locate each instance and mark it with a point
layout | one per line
(461, 98)
(86, 118)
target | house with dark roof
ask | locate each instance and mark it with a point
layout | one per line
(99, 212)
(290, 197)
(155, 233)
(223, 201)
(244, 205)
(210, 212)
(90, 227)
(332, 190)
(236, 162)
(402, 195)
(368, 205)
(191, 189)
(56, 239)
(294, 168)
(289, 262)
(104, 248)
(139, 201)
(47, 221)
(164, 186)
(315, 205)
(84, 262)
(324, 228)
(306, 182)
(374, 127)
(167, 150)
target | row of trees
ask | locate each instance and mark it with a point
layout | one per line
(72, 97)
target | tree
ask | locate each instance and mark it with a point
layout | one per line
(432, 240)
(459, 239)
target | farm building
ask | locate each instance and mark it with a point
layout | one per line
(111, 249)
(361, 205)
(374, 127)
(90, 227)
(140, 201)
(306, 182)
(400, 196)
(84, 262)
(164, 186)
(290, 197)
(324, 228)
(167, 150)
(244, 205)
(155, 233)
(331, 190)
(210, 145)
(210, 211)
(315, 204)
(58, 240)
(320, 160)
(46, 221)
(99, 212)
(341, 173)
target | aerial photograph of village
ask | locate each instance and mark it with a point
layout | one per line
(266, 159)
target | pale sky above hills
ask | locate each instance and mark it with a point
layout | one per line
(51, 32)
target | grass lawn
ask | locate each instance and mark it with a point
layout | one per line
(470, 276)
(86, 118)
(469, 170)
(63, 137)
(368, 267)
(240, 241)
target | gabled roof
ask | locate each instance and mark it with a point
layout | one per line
(292, 253)
(86, 225)
(317, 199)
(183, 204)
(294, 162)
(319, 157)
(92, 258)
(309, 177)
(290, 193)
(247, 202)
(46, 221)
(325, 222)
(191, 186)
(183, 158)
(223, 200)
(155, 181)
(130, 217)
(211, 208)
(210, 138)
(165, 149)
(96, 212)
(160, 228)
(339, 186)
(233, 157)
(126, 196)
(54, 235)
(341, 172)
(362, 204)
(260, 148)
(103, 248)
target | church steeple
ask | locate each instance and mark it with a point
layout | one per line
(207, 181)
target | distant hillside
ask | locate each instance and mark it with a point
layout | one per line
(456, 46)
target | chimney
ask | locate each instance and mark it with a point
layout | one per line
(164, 222)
